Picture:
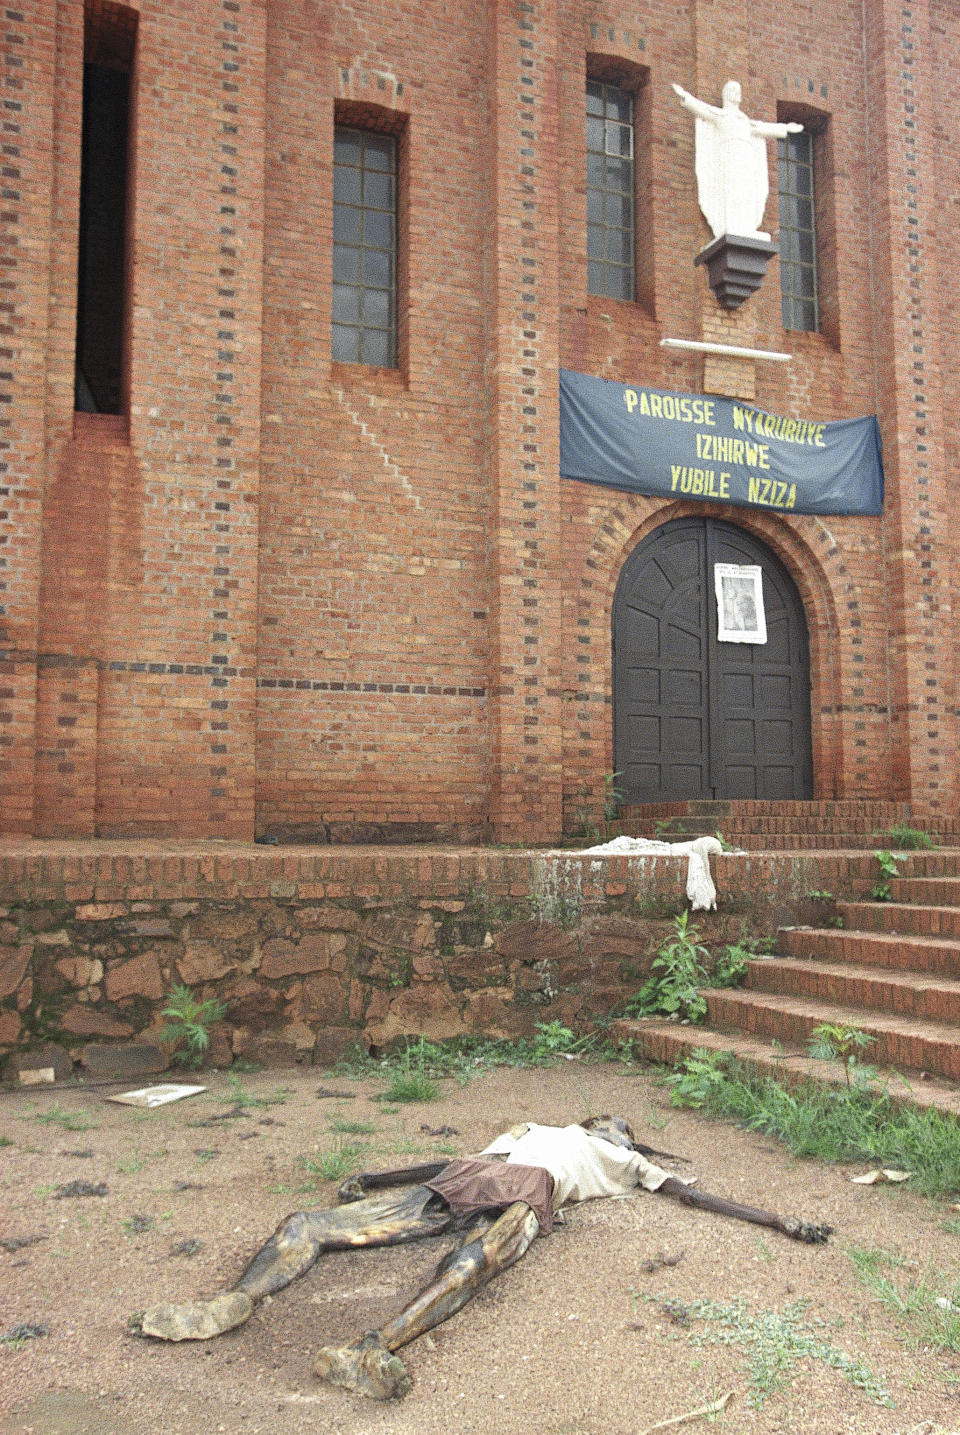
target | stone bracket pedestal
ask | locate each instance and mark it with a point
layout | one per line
(735, 266)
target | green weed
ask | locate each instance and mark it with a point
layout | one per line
(612, 795)
(832, 1041)
(775, 1342)
(680, 963)
(904, 838)
(880, 892)
(189, 1021)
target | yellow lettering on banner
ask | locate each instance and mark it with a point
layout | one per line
(677, 407)
(818, 436)
(771, 492)
(724, 486)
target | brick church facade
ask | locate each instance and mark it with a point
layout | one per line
(287, 286)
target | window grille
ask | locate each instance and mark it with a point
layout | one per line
(611, 223)
(364, 247)
(798, 234)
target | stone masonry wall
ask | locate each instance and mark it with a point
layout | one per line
(316, 952)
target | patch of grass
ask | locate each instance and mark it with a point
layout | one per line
(66, 1120)
(5, 1141)
(774, 1343)
(926, 1305)
(244, 1099)
(904, 838)
(464, 1058)
(333, 1165)
(351, 1128)
(680, 963)
(850, 1123)
(411, 1083)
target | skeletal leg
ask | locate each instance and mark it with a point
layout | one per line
(704, 1201)
(293, 1248)
(369, 1365)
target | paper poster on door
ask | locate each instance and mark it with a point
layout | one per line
(740, 615)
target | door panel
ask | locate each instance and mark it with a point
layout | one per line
(694, 717)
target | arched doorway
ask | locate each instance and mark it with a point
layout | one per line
(695, 717)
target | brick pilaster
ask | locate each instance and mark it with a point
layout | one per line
(522, 359)
(27, 45)
(902, 120)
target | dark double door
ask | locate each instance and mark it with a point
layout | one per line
(698, 718)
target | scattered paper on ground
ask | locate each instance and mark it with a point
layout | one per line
(156, 1095)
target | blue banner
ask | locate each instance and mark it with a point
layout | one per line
(702, 446)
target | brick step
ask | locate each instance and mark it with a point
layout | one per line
(902, 918)
(937, 956)
(672, 1042)
(748, 840)
(913, 994)
(926, 891)
(943, 862)
(786, 822)
(886, 813)
(900, 1041)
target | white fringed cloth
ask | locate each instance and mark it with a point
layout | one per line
(701, 893)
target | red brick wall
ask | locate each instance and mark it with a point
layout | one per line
(321, 600)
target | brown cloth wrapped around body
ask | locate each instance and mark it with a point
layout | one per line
(469, 1186)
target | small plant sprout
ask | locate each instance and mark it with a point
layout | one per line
(888, 870)
(836, 1042)
(612, 796)
(189, 1021)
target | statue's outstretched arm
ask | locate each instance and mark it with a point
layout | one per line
(699, 107)
(773, 129)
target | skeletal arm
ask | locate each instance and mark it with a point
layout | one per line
(809, 1232)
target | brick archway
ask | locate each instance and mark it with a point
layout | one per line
(807, 550)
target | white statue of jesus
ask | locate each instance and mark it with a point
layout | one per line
(731, 162)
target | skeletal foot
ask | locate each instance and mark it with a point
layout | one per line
(366, 1366)
(197, 1320)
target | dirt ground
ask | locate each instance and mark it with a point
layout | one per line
(590, 1334)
